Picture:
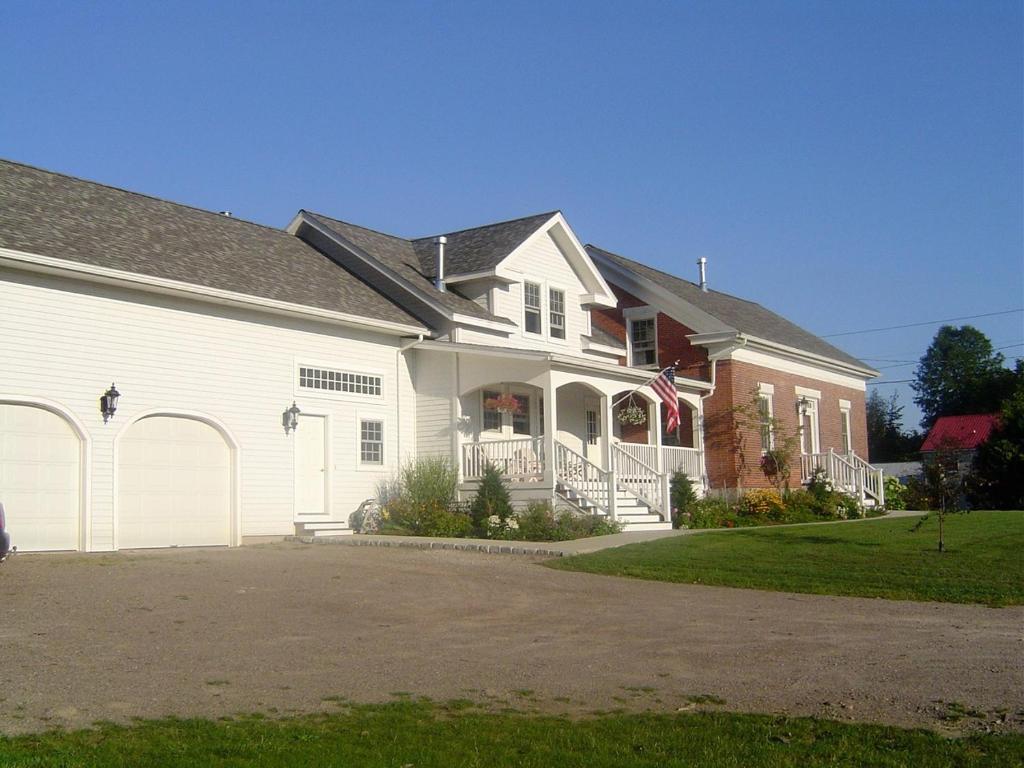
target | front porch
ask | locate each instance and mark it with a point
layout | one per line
(560, 437)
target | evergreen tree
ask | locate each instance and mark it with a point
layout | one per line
(492, 498)
(886, 439)
(998, 480)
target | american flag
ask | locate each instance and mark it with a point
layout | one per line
(665, 386)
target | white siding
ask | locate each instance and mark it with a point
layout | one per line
(435, 387)
(67, 341)
(539, 261)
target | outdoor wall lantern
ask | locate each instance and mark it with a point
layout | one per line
(108, 403)
(290, 418)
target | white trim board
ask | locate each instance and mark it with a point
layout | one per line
(773, 363)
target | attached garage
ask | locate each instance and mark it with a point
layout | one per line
(40, 478)
(174, 480)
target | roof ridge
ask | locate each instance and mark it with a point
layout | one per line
(485, 226)
(676, 277)
(134, 193)
(357, 226)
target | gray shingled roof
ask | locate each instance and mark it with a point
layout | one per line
(477, 249)
(401, 257)
(741, 315)
(63, 217)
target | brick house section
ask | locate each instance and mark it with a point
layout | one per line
(732, 456)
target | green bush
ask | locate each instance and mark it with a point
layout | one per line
(540, 522)
(492, 501)
(683, 497)
(405, 516)
(895, 494)
(763, 503)
(431, 480)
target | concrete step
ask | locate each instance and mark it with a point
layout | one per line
(658, 525)
(325, 528)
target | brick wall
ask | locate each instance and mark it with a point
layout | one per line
(733, 457)
(734, 452)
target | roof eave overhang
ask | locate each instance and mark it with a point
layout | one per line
(724, 342)
(105, 275)
(304, 219)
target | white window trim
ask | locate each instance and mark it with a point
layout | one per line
(640, 313)
(542, 306)
(500, 430)
(362, 466)
(353, 397)
(815, 413)
(766, 393)
(847, 422)
(565, 313)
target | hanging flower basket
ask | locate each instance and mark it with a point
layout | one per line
(633, 414)
(503, 404)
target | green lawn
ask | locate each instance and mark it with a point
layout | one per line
(983, 562)
(422, 735)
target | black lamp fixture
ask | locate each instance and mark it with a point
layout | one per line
(108, 403)
(291, 418)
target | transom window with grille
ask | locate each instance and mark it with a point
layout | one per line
(371, 441)
(764, 410)
(346, 382)
(556, 309)
(643, 343)
(531, 307)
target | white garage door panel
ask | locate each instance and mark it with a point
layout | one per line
(40, 478)
(174, 485)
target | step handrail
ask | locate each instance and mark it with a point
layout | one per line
(582, 476)
(874, 478)
(639, 478)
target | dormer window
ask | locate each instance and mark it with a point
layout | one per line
(556, 309)
(531, 307)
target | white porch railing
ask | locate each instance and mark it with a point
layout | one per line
(516, 459)
(639, 477)
(583, 476)
(848, 472)
(689, 461)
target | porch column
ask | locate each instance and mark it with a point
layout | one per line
(550, 430)
(608, 454)
(659, 463)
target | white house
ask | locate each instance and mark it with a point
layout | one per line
(210, 329)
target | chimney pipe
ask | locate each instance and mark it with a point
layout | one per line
(703, 264)
(439, 280)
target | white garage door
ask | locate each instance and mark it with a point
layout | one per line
(174, 485)
(40, 478)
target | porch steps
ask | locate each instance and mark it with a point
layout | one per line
(322, 529)
(631, 512)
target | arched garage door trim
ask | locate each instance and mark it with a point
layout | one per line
(85, 443)
(229, 438)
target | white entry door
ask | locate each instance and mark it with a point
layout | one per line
(40, 478)
(311, 475)
(174, 485)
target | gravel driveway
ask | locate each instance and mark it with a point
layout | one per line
(290, 628)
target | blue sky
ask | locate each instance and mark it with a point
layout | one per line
(851, 165)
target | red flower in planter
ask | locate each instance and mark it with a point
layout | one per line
(503, 404)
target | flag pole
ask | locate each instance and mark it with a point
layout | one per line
(639, 386)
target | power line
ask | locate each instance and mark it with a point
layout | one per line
(915, 362)
(915, 325)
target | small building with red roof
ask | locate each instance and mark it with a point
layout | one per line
(962, 435)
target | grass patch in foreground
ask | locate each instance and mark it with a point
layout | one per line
(877, 558)
(423, 735)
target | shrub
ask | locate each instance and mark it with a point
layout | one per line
(895, 494)
(683, 497)
(431, 480)
(492, 500)
(540, 522)
(800, 506)
(712, 512)
(763, 503)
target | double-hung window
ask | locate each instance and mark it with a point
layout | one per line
(593, 427)
(556, 310)
(643, 343)
(492, 416)
(531, 307)
(764, 412)
(371, 441)
(844, 426)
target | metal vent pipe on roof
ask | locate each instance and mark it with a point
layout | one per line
(439, 280)
(702, 263)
